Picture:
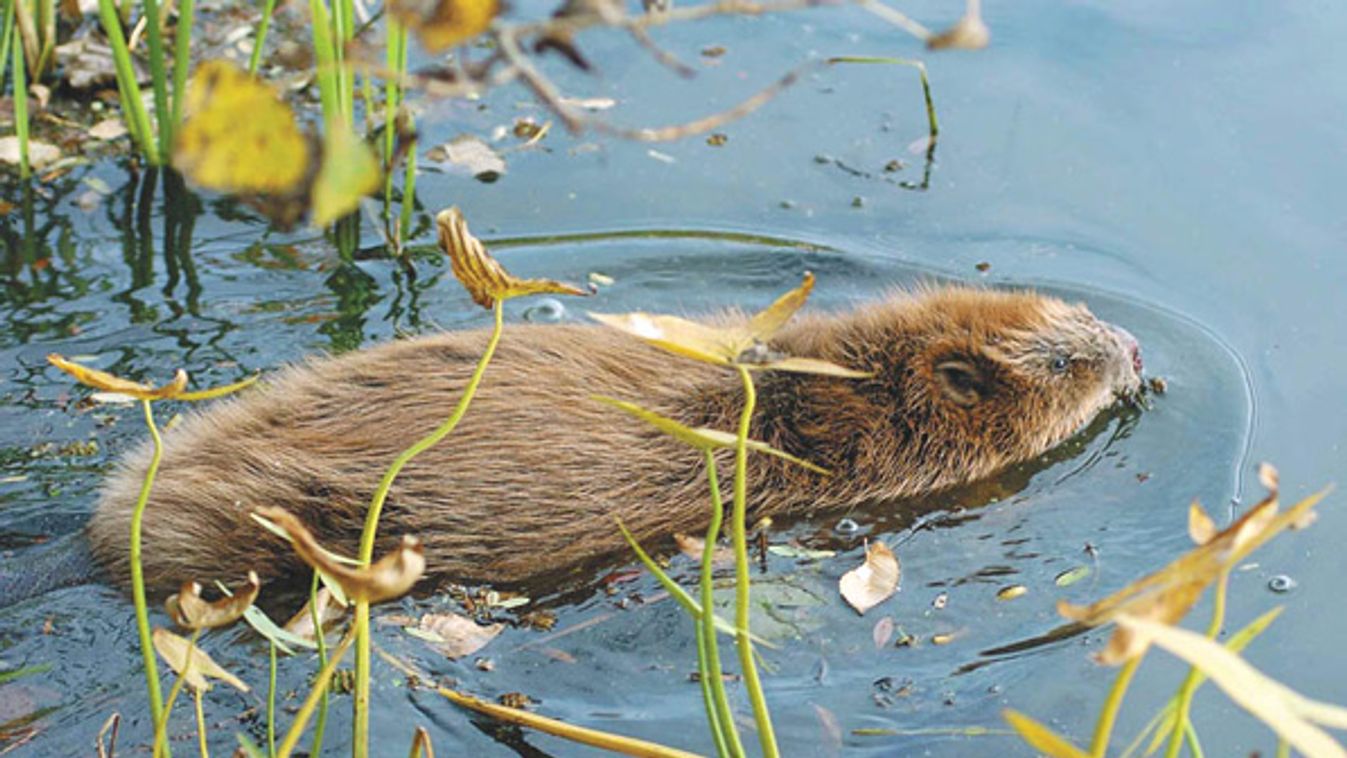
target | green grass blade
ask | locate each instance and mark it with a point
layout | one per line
(158, 76)
(182, 51)
(260, 39)
(133, 109)
(21, 110)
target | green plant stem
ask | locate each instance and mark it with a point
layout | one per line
(1283, 749)
(319, 686)
(319, 726)
(201, 725)
(322, 51)
(133, 110)
(360, 730)
(396, 59)
(271, 700)
(158, 77)
(182, 51)
(728, 738)
(408, 192)
(1190, 735)
(1103, 728)
(766, 735)
(708, 700)
(1194, 677)
(6, 39)
(343, 18)
(138, 575)
(260, 38)
(21, 110)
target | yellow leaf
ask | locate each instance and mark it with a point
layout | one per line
(188, 610)
(702, 438)
(301, 624)
(191, 663)
(441, 23)
(349, 172)
(769, 320)
(102, 380)
(1200, 526)
(389, 577)
(813, 366)
(872, 582)
(1289, 714)
(221, 391)
(1041, 738)
(481, 275)
(239, 136)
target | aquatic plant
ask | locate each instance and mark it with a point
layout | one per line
(744, 348)
(1145, 613)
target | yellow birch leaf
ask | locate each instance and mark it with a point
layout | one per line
(1040, 737)
(239, 136)
(442, 23)
(481, 275)
(389, 577)
(349, 171)
(191, 662)
(188, 610)
(872, 582)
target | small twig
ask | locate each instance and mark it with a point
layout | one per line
(897, 18)
(662, 56)
(534, 79)
(112, 725)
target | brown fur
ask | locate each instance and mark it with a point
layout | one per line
(532, 479)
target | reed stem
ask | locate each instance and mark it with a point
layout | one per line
(727, 741)
(138, 577)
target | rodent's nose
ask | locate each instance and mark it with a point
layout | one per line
(1129, 344)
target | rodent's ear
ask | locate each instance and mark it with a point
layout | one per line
(960, 380)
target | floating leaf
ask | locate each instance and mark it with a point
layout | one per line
(1071, 576)
(1167, 595)
(484, 278)
(743, 345)
(191, 663)
(1041, 738)
(389, 577)
(882, 631)
(39, 153)
(1011, 592)
(468, 153)
(442, 23)
(872, 582)
(239, 136)
(1291, 715)
(693, 547)
(453, 635)
(349, 172)
(188, 610)
(102, 380)
(108, 129)
(701, 437)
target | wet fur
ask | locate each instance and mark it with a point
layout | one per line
(531, 481)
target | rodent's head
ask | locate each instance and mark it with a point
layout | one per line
(983, 379)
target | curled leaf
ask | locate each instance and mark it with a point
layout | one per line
(702, 438)
(192, 663)
(453, 635)
(872, 582)
(389, 577)
(1200, 526)
(188, 610)
(329, 610)
(743, 344)
(484, 278)
(102, 380)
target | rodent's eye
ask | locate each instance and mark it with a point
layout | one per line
(1060, 364)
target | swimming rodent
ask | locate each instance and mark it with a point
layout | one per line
(966, 381)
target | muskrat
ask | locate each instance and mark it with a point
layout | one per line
(966, 381)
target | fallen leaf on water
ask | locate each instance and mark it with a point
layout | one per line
(589, 103)
(802, 553)
(389, 577)
(102, 380)
(455, 636)
(472, 155)
(301, 624)
(883, 631)
(872, 582)
(693, 547)
(1071, 576)
(108, 129)
(188, 610)
(39, 153)
(194, 667)
(1011, 592)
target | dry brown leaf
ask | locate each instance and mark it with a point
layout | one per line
(455, 636)
(872, 582)
(108, 129)
(188, 610)
(191, 663)
(481, 275)
(39, 153)
(329, 610)
(470, 154)
(693, 547)
(389, 577)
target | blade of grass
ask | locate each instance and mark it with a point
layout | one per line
(396, 52)
(8, 38)
(1103, 727)
(1190, 682)
(21, 110)
(319, 692)
(271, 699)
(322, 51)
(158, 76)
(260, 38)
(138, 575)
(729, 735)
(133, 108)
(319, 726)
(182, 50)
